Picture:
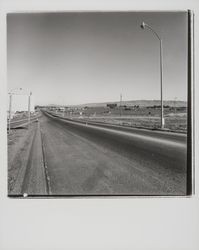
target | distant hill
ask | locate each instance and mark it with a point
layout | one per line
(141, 103)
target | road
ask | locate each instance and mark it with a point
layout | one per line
(95, 159)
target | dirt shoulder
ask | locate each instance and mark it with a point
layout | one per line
(22, 144)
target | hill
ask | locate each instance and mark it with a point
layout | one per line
(141, 103)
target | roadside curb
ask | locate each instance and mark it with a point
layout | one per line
(118, 125)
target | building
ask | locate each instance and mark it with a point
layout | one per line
(111, 105)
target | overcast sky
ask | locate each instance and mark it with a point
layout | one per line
(75, 58)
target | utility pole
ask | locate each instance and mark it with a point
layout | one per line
(161, 86)
(63, 111)
(175, 104)
(10, 106)
(120, 104)
(29, 103)
(10, 111)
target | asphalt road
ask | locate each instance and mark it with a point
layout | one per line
(100, 159)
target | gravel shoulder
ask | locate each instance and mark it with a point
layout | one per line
(25, 172)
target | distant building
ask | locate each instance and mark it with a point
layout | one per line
(58, 108)
(111, 105)
(61, 109)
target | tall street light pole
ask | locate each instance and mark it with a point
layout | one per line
(10, 107)
(10, 110)
(29, 101)
(143, 26)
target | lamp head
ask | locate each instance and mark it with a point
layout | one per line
(143, 25)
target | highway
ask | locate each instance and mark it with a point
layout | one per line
(83, 158)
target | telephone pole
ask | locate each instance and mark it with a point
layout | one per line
(10, 107)
(29, 103)
(120, 104)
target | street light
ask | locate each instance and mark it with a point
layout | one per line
(29, 96)
(144, 26)
(10, 106)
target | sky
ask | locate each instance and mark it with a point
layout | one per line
(76, 58)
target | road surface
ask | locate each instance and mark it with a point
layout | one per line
(92, 159)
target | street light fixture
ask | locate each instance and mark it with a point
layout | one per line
(10, 106)
(144, 26)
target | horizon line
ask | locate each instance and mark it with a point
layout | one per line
(104, 102)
